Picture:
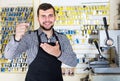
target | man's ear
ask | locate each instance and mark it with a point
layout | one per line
(37, 18)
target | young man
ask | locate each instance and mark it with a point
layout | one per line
(46, 49)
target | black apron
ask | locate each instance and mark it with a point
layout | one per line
(44, 67)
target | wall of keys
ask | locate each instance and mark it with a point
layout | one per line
(81, 24)
(88, 15)
(9, 18)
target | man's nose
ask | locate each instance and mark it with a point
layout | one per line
(47, 18)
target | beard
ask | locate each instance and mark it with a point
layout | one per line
(46, 29)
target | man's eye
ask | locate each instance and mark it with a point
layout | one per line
(51, 15)
(43, 16)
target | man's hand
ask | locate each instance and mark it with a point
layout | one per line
(20, 30)
(52, 50)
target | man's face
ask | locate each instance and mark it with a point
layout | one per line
(46, 19)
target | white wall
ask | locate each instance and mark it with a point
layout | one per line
(12, 3)
(71, 2)
(36, 4)
(113, 12)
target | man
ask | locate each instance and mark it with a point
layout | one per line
(46, 49)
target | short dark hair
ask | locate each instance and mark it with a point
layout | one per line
(45, 6)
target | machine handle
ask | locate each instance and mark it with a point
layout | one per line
(96, 44)
(106, 27)
(109, 41)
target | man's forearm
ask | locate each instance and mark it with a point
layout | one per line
(68, 59)
(10, 48)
